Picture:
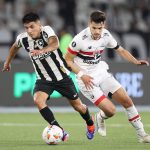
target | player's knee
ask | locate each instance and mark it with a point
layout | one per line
(127, 104)
(111, 111)
(39, 103)
(80, 108)
(36, 101)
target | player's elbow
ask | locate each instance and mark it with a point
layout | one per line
(69, 62)
(121, 50)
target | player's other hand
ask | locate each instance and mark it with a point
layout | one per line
(143, 62)
(88, 81)
(6, 67)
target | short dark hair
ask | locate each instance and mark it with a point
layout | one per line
(97, 16)
(30, 17)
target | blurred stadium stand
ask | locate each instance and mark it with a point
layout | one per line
(123, 16)
(128, 20)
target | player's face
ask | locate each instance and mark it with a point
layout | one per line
(96, 29)
(33, 29)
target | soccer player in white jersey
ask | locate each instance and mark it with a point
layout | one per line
(51, 69)
(84, 58)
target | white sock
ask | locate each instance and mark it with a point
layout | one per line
(103, 115)
(135, 120)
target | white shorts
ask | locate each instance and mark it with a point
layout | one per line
(101, 89)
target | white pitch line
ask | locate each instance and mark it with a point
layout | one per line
(64, 124)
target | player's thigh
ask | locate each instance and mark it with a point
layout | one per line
(40, 96)
(76, 102)
(113, 89)
(42, 90)
(67, 88)
(95, 94)
(97, 97)
(122, 97)
(108, 107)
(109, 86)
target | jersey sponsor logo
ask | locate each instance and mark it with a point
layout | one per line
(73, 44)
(91, 61)
(42, 56)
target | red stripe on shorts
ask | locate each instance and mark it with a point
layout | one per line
(99, 100)
(134, 118)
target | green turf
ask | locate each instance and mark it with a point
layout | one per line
(23, 132)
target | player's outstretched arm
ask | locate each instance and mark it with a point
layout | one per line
(13, 51)
(53, 44)
(129, 57)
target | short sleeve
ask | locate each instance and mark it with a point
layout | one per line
(111, 42)
(74, 46)
(18, 41)
(50, 32)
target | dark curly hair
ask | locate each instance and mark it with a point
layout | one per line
(97, 16)
(30, 17)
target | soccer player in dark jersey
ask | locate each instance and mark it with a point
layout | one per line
(51, 70)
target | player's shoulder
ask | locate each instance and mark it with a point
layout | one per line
(22, 35)
(105, 33)
(47, 28)
(82, 35)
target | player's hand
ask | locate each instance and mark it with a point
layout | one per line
(36, 52)
(143, 62)
(88, 81)
(6, 67)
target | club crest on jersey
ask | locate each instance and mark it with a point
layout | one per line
(38, 44)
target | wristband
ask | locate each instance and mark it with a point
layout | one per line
(80, 74)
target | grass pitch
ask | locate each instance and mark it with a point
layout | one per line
(23, 132)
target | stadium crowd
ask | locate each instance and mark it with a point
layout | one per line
(71, 16)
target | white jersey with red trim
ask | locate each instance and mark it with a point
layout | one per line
(89, 51)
